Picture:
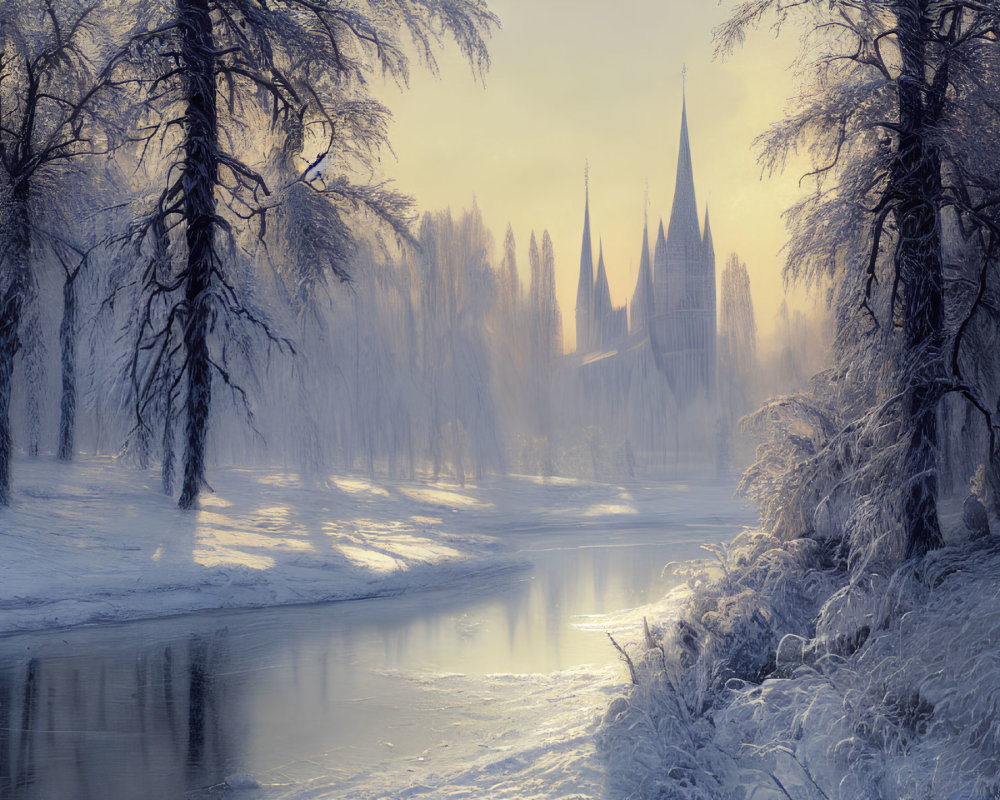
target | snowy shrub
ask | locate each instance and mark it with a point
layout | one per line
(781, 480)
(662, 741)
(832, 472)
(913, 712)
(906, 707)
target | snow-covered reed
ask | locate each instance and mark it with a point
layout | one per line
(783, 677)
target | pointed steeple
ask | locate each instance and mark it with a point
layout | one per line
(602, 290)
(684, 248)
(660, 296)
(602, 303)
(642, 299)
(684, 213)
(706, 242)
(585, 288)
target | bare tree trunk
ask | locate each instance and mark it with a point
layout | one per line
(67, 347)
(32, 360)
(201, 169)
(916, 188)
(143, 444)
(167, 467)
(9, 317)
(18, 247)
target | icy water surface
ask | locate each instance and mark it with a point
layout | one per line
(372, 698)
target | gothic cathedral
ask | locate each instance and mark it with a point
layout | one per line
(673, 308)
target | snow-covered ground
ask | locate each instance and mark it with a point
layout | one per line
(94, 541)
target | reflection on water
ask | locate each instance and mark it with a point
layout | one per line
(164, 709)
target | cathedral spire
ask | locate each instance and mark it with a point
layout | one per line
(708, 275)
(602, 289)
(684, 214)
(602, 304)
(706, 239)
(642, 298)
(585, 288)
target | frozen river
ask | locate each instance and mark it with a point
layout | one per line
(486, 688)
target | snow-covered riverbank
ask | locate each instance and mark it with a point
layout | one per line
(779, 677)
(95, 542)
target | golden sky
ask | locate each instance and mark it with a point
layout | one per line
(583, 81)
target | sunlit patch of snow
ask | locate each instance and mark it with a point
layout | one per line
(271, 514)
(390, 538)
(213, 556)
(213, 501)
(282, 481)
(211, 518)
(158, 554)
(416, 548)
(442, 497)
(229, 537)
(359, 486)
(370, 559)
(369, 525)
(553, 480)
(426, 520)
(609, 509)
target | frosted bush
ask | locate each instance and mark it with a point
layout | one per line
(894, 694)
(662, 740)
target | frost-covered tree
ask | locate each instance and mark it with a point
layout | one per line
(75, 263)
(545, 346)
(510, 283)
(55, 60)
(457, 291)
(550, 320)
(225, 77)
(535, 287)
(546, 321)
(737, 340)
(891, 87)
(77, 228)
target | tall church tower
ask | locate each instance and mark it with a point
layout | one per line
(683, 323)
(684, 248)
(585, 289)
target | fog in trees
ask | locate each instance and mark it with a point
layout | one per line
(738, 365)
(55, 68)
(203, 291)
